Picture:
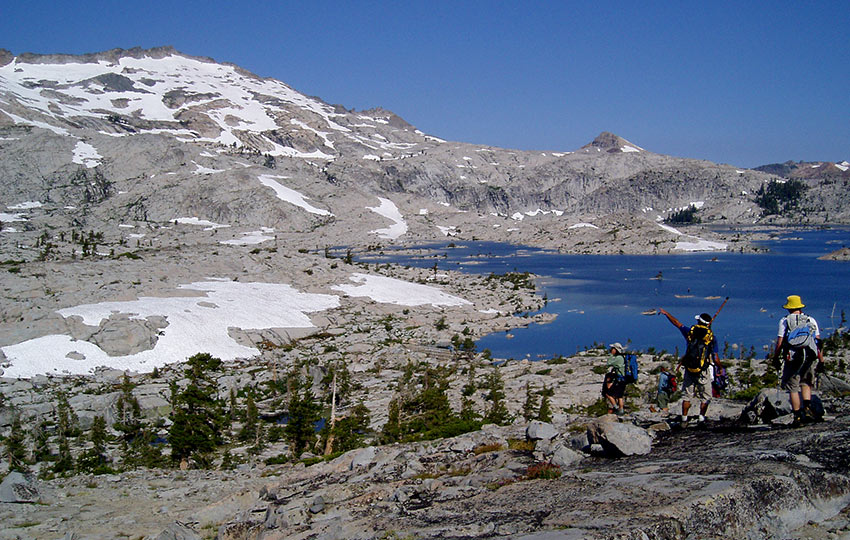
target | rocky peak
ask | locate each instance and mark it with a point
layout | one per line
(609, 142)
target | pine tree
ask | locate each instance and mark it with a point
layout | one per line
(303, 414)
(94, 459)
(498, 411)
(348, 432)
(528, 408)
(14, 450)
(544, 414)
(128, 409)
(67, 422)
(40, 446)
(197, 417)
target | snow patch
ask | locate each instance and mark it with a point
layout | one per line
(583, 226)
(251, 238)
(394, 291)
(194, 324)
(28, 205)
(86, 154)
(290, 195)
(199, 222)
(389, 210)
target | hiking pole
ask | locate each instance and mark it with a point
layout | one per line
(718, 309)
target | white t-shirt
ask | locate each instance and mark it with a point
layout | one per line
(783, 326)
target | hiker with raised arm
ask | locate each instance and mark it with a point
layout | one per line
(798, 345)
(614, 384)
(700, 354)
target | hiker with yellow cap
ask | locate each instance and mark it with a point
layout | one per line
(798, 344)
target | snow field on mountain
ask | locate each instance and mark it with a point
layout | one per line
(202, 323)
(389, 210)
(86, 154)
(226, 96)
(290, 195)
(697, 245)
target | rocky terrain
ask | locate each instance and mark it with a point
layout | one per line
(156, 205)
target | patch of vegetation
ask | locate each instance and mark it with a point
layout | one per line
(685, 216)
(779, 197)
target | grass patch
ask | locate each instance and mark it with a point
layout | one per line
(484, 448)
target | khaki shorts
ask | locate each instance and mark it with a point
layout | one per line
(799, 370)
(696, 385)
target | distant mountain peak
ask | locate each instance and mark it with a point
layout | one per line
(609, 142)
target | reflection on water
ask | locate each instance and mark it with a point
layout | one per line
(605, 298)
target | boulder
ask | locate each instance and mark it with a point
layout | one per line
(176, 531)
(19, 488)
(772, 404)
(564, 456)
(619, 439)
(537, 431)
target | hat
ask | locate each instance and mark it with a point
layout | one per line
(794, 302)
(704, 318)
(616, 345)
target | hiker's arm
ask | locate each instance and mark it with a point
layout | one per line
(777, 350)
(673, 320)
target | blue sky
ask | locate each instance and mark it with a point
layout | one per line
(745, 83)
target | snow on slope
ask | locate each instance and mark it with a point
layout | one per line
(202, 323)
(136, 86)
(389, 210)
(290, 195)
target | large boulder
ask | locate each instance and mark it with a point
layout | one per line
(537, 431)
(771, 404)
(619, 439)
(176, 531)
(19, 488)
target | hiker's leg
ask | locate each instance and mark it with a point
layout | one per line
(807, 392)
(703, 407)
(686, 405)
(795, 401)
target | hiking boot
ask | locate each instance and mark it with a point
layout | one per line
(684, 420)
(700, 420)
(798, 419)
(620, 412)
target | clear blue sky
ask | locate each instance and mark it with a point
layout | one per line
(745, 83)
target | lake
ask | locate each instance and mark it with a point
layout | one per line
(601, 298)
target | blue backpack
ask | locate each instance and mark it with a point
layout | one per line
(631, 362)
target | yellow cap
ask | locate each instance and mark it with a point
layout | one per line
(794, 302)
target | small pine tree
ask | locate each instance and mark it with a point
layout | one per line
(303, 414)
(544, 414)
(40, 440)
(15, 451)
(498, 411)
(197, 418)
(528, 408)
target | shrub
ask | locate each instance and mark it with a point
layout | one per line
(543, 471)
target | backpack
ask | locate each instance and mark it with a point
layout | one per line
(801, 332)
(697, 356)
(631, 363)
(672, 383)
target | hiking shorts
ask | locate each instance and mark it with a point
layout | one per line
(614, 387)
(662, 399)
(799, 370)
(697, 386)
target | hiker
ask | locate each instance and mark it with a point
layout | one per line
(798, 344)
(614, 384)
(700, 354)
(666, 388)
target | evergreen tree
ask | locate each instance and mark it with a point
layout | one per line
(303, 415)
(348, 432)
(544, 414)
(392, 429)
(94, 459)
(67, 422)
(129, 412)
(15, 451)
(197, 417)
(498, 411)
(528, 408)
(40, 446)
(65, 460)
(252, 419)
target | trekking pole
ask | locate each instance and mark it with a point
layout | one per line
(718, 309)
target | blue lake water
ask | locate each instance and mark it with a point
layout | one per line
(601, 298)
